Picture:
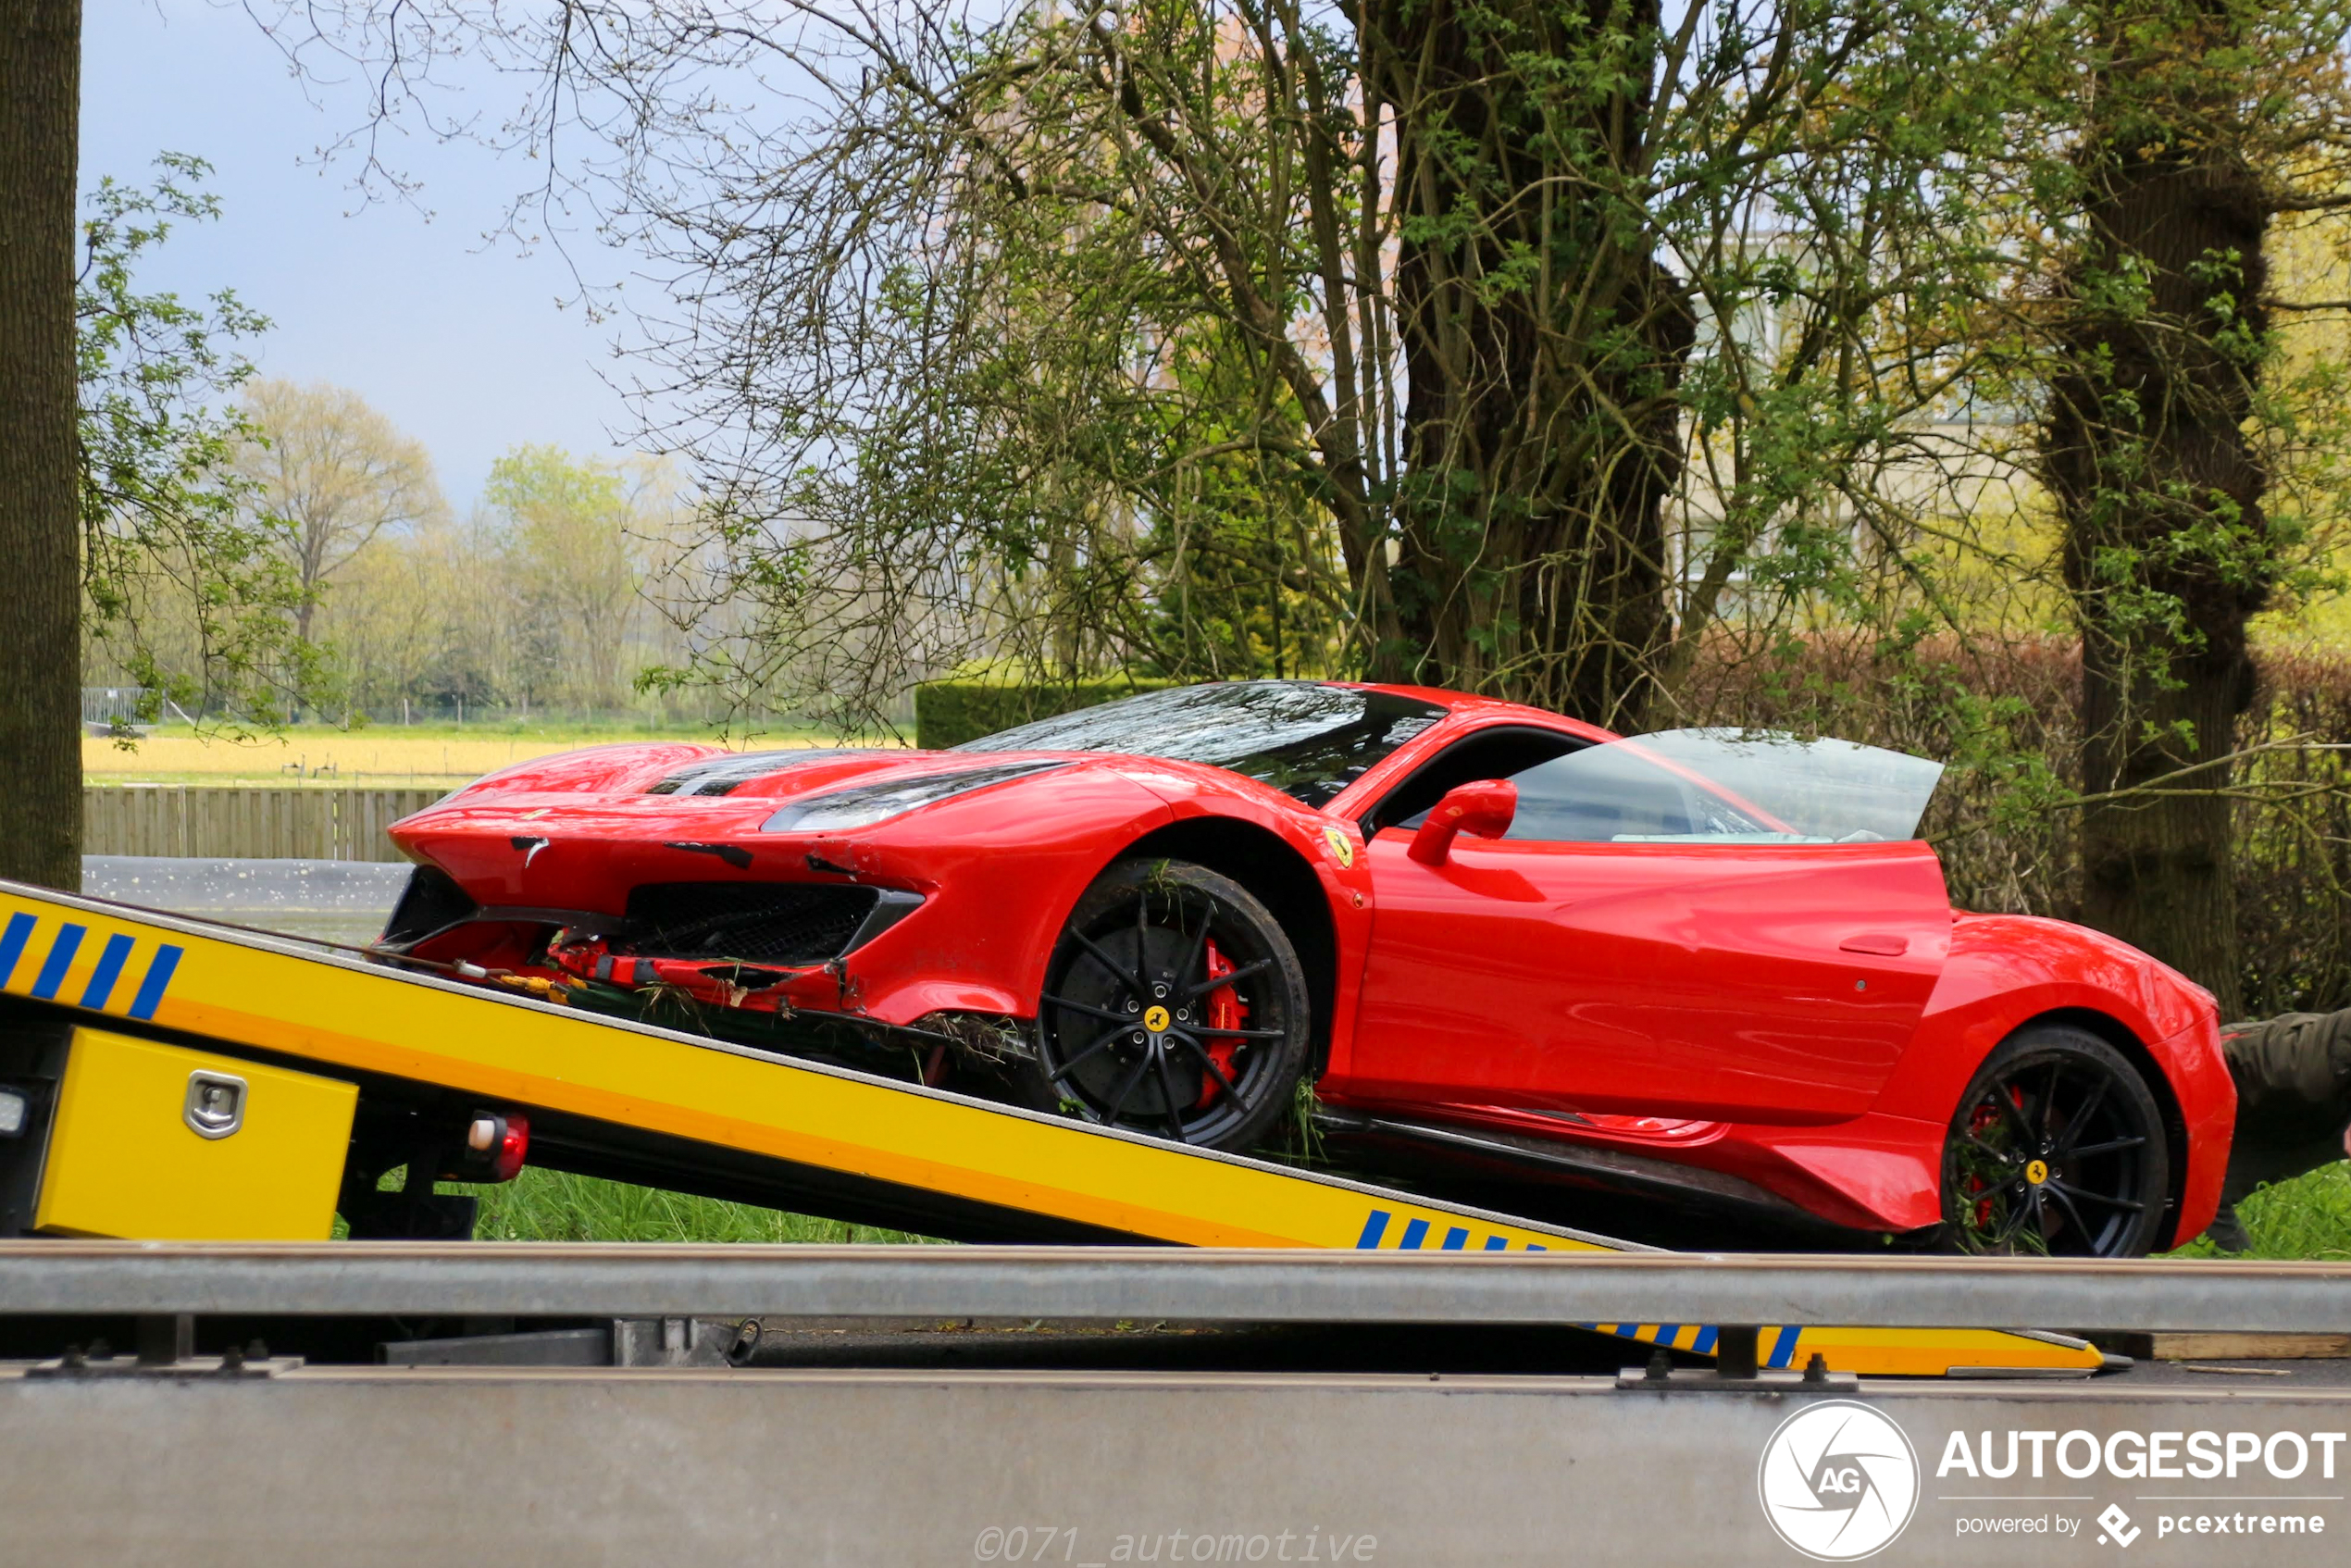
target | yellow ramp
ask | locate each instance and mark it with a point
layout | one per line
(344, 1016)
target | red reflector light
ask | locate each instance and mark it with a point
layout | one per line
(514, 1144)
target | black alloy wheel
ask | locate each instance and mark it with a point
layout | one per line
(2058, 1149)
(1174, 1005)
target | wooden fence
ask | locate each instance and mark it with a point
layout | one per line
(262, 822)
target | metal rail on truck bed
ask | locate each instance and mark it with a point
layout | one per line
(900, 1466)
(664, 1280)
(180, 1020)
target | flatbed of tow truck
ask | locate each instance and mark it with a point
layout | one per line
(180, 1080)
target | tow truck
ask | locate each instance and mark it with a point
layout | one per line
(167, 1078)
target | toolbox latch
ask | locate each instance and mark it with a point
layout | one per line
(215, 1103)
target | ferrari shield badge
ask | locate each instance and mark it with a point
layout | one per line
(1343, 851)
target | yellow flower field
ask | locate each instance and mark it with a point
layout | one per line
(325, 756)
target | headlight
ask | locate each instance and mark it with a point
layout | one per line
(846, 809)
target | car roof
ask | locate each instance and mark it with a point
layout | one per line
(1467, 704)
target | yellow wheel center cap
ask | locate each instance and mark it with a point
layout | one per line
(2037, 1171)
(1155, 1020)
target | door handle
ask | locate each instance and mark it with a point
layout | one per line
(1883, 943)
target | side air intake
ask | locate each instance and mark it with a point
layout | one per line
(431, 902)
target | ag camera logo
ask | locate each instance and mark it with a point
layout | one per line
(1840, 1481)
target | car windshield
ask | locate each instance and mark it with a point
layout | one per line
(1304, 739)
(1766, 789)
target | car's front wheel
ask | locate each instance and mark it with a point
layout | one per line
(2057, 1148)
(1173, 1005)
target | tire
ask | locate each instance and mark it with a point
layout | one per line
(1143, 946)
(2057, 1148)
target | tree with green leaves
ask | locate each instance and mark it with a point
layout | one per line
(188, 581)
(2193, 124)
(327, 472)
(1550, 338)
(576, 567)
(112, 479)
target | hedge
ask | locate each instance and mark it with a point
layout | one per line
(947, 713)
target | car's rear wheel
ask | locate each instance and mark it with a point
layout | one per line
(2057, 1148)
(1174, 1005)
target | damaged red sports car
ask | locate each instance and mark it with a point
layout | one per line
(1707, 969)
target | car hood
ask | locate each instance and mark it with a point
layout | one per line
(638, 791)
(604, 818)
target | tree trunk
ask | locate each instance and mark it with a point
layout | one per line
(2156, 872)
(1543, 343)
(2167, 550)
(40, 452)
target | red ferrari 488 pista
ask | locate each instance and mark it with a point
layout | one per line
(1708, 965)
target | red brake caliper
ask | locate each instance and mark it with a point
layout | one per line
(1225, 1009)
(1983, 1121)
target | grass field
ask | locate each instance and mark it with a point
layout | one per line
(2308, 1217)
(439, 754)
(554, 1206)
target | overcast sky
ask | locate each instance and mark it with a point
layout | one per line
(465, 347)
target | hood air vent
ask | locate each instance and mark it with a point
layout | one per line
(722, 776)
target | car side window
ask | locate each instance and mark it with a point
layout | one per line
(1489, 753)
(1614, 795)
(1570, 792)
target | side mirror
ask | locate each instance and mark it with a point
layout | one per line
(1484, 808)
